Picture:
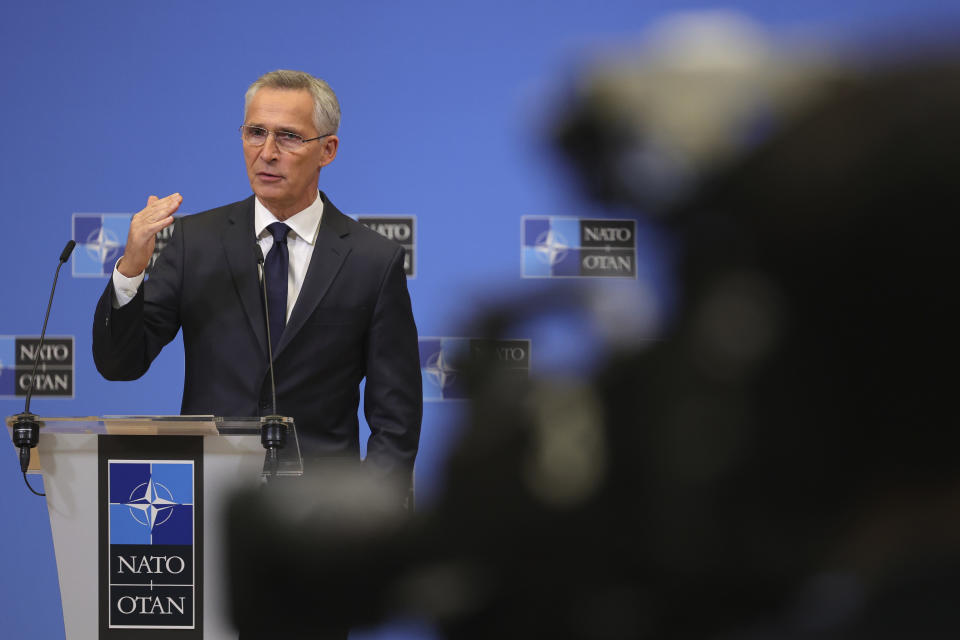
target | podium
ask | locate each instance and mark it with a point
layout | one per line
(135, 508)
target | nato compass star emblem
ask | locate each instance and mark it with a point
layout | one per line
(441, 372)
(551, 247)
(151, 504)
(102, 245)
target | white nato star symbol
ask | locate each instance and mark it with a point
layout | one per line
(551, 247)
(147, 501)
(439, 370)
(102, 244)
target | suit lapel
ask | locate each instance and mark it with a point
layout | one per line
(238, 245)
(329, 252)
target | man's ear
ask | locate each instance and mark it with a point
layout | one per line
(329, 146)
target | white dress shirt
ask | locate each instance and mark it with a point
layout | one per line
(303, 235)
(304, 227)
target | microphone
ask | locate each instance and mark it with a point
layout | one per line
(273, 432)
(26, 427)
(67, 250)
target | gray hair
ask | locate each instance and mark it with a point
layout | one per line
(326, 108)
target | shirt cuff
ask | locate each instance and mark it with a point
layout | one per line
(124, 288)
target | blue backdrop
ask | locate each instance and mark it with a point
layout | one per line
(444, 107)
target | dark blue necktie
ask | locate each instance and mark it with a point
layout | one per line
(276, 267)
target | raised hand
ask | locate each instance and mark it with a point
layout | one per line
(157, 215)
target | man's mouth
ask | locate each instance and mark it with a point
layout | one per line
(269, 177)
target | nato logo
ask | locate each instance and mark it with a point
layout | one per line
(442, 361)
(101, 238)
(151, 541)
(401, 230)
(55, 369)
(144, 498)
(559, 247)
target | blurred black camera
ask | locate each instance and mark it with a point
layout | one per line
(781, 463)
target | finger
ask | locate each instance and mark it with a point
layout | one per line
(173, 198)
(150, 229)
(161, 209)
(169, 204)
(144, 227)
(162, 224)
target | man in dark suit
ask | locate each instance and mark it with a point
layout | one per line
(339, 313)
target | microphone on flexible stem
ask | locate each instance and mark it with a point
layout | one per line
(26, 427)
(273, 431)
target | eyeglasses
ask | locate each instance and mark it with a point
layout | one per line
(286, 140)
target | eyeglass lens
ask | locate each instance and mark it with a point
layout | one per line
(257, 136)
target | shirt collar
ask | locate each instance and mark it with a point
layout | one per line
(304, 223)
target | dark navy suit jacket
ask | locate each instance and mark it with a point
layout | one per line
(351, 320)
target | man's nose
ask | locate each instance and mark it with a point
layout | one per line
(270, 149)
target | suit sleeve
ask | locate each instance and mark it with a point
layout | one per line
(126, 340)
(393, 400)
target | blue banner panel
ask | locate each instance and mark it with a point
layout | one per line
(151, 533)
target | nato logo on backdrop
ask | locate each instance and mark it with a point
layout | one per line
(401, 230)
(55, 371)
(560, 247)
(100, 239)
(151, 520)
(442, 360)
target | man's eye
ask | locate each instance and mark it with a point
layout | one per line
(256, 132)
(288, 137)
